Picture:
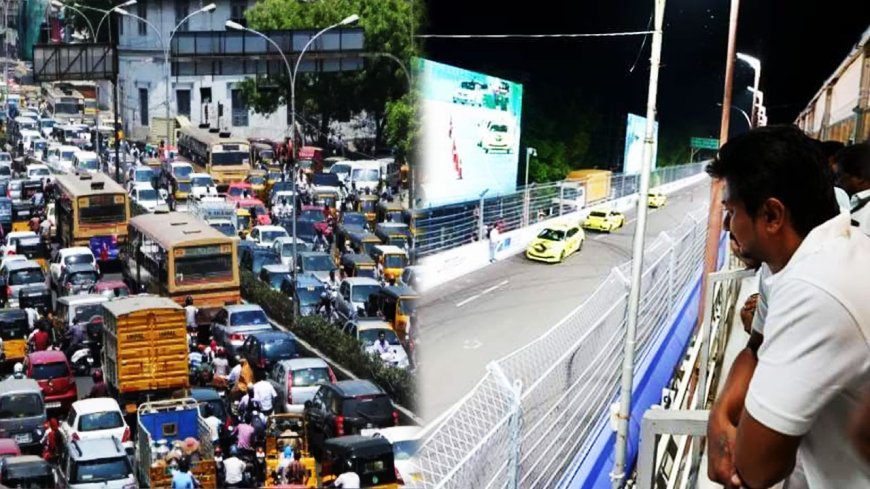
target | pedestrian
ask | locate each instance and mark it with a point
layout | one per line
(493, 241)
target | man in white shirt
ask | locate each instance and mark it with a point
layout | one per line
(265, 394)
(815, 358)
(853, 173)
(234, 469)
(348, 479)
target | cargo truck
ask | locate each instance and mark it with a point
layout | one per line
(144, 349)
(161, 423)
(595, 182)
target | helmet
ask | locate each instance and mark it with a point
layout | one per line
(97, 376)
(234, 451)
(18, 368)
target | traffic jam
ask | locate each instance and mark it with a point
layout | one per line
(130, 355)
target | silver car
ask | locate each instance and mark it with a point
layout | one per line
(298, 380)
(233, 324)
(353, 293)
(19, 275)
(98, 462)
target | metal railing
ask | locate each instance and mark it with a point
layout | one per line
(440, 229)
(535, 409)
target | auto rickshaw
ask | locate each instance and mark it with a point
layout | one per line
(243, 222)
(390, 212)
(394, 233)
(354, 265)
(362, 242)
(21, 213)
(369, 457)
(288, 430)
(325, 197)
(34, 248)
(255, 207)
(257, 179)
(368, 205)
(391, 260)
(397, 303)
(14, 329)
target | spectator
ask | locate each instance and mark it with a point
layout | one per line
(853, 174)
(813, 361)
(830, 149)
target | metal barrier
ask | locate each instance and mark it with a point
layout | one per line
(536, 408)
(441, 229)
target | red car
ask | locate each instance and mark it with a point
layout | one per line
(236, 191)
(263, 217)
(51, 370)
(9, 448)
(112, 288)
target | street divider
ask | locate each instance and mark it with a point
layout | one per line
(454, 263)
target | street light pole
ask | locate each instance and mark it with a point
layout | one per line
(618, 475)
(292, 74)
(755, 64)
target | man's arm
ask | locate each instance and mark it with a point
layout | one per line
(763, 456)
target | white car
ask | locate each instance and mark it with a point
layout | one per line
(265, 235)
(38, 172)
(283, 246)
(86, 161)
(11, 238)
(496, 135)
(28, 136)
(100, 417)
(150, 199)
(469, 93)
(202, 185)
(5, 158)
(77, 255)
(405, 440)
(60, 158)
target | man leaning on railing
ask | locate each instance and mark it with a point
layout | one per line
(795, 389)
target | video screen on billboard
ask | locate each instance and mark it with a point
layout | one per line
(470, 134)
(635, 129)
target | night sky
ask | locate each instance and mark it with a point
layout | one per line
(799, 46)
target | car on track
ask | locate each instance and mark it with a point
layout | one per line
(604, 220)
(496, 135)
(556, 242)
(656, 199)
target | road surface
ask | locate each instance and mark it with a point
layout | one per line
(490, 313)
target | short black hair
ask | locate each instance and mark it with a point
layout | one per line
(854, 161)
(831, 148)
(779, 162)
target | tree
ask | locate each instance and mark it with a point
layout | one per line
(387, 26)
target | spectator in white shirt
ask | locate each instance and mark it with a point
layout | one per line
(815, 358)
(265, 394)
(853, 173)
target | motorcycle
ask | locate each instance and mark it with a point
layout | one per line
(82, 360)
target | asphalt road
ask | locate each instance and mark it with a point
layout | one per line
(490, 313)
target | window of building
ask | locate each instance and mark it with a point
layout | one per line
(237, 11)
(183, 99)
(182, 9)
(143, 106)
(142, 11)
(122, 19)
(239, 109)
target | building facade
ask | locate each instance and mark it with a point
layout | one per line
(142, 77)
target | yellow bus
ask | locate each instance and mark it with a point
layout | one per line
(225, 158)
(177, 255)
(93, 211)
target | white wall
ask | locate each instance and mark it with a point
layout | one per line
(141, 65)
(844, 95)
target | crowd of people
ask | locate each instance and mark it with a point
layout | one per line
(791, 408)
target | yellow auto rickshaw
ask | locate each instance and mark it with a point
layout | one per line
(390, 212)
(244, 222)
(325, 198)
(391, 260)
(34, 248)
(397, 304)
(361, 242)
(353, 265)
(371, 457)
(257, 179)
(21, 213)
(394, 233)
(368, 205)
(282, 430)
(13, 329)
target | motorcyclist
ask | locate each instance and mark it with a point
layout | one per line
(75, 336)
(234, 469)
(100, 388)
(18, 371)
(41, 340)
(320, 243)
(348, 479)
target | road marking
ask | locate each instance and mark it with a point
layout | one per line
(600, 237)
(472, 344)
(484, 292)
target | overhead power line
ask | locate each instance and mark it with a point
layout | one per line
(533, 36)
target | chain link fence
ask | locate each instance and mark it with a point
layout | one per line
(440, 229)
(536, 408)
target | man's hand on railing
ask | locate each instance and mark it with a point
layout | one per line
(747, 312)
(721, 440)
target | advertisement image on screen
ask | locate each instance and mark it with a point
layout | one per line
(634, 133)
(471, 134)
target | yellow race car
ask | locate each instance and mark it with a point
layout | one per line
(604, 220)
(656, 200)
(554, 243)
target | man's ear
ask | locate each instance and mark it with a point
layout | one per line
(774, 215)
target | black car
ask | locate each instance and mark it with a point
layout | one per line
(345, 408)
(264, 349)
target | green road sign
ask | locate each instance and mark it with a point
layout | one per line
(704, 143)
